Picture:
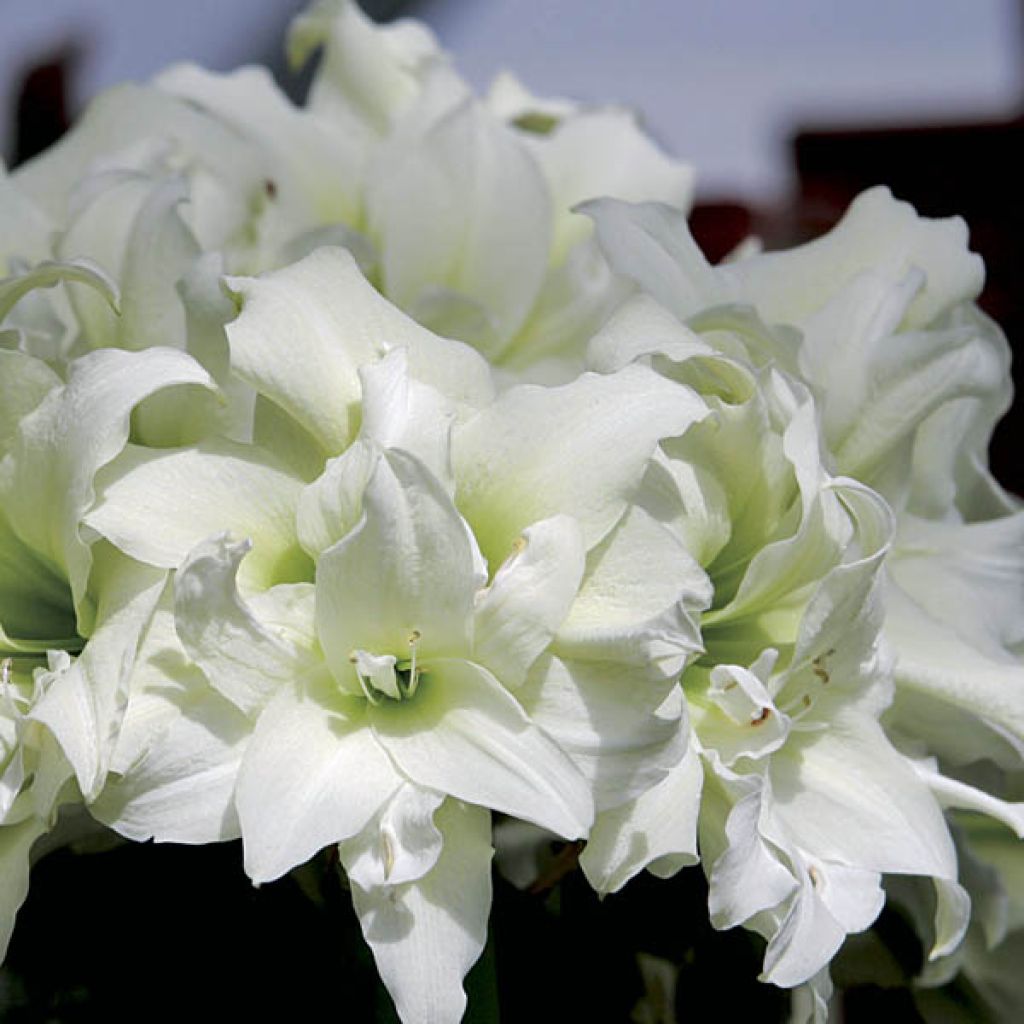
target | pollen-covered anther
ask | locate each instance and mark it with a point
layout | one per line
(411, 676)
(818, 666)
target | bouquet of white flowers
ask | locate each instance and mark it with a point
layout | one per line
(393, 475)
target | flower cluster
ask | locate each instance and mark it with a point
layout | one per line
(378, 466)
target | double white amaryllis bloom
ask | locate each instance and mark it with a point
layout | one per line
(349, 671)
(785, 702)
(71, 614)
(909, 379)
(458, 209)
(353, 488)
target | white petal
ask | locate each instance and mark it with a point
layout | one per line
(24, 383)
(844, 338)
(83, 703)
(404, 576)
(876, 232)
(575, 300)
(26, 230)
(458, 202)
(842, 620)
(742, 720)
(182, 790)
(425, 935)
(36, 611)
(47, 274)
(963, 701)
(158, 505)
(464, 735)
(128, 221)
(622, 729)
(368, 73)
(953, 793)
(401, 412)
(914, 377)
(638, 601)
(117, 119)
(809, 1002)
(950, 464)
(967, 577)
(657, 830)
(952, 917)
(650, 243)
(805, 941)
(853, 897)
(604, 153)
(177, 751)
(75, 431)
(519, 614)
(159, 252)
(400, 844)
(785, 565)
(332, 504)
(641, 327)
(312, 775)
(15, 843)
(244, 659)
(580, 449)
(847, 796)
(305, 330)
(297, 147)
(748, 877)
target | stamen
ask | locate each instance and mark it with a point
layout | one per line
(818, 666)
(376, 674)
(383, 676)
(414, 679)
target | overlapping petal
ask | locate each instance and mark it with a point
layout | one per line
(312, 774)
(464, 734)
(579, 449)
(426, 934)
(75, 431)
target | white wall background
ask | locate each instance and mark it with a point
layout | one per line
(721, 82)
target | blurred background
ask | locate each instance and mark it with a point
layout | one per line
(727, 85)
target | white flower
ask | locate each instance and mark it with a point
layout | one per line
(33, 777)
(366, 681)
(458, 209)
(58, 596)
(785, 702)
(911, 379)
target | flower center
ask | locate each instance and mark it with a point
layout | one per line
(385, 677)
